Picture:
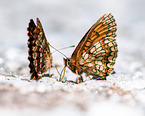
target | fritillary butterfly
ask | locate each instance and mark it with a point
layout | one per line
(38, 49)
(97, 51)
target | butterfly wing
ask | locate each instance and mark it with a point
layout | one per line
(104, 27)
(38, 49)
(100, 58)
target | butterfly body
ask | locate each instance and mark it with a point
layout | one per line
(97, 51)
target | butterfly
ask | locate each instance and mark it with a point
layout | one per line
(97, 51)
(39, 54)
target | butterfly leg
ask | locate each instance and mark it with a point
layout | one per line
(77, 77)
(81, 79)
(49, 71)
(89, 76)
(57, 70)
(63, 73)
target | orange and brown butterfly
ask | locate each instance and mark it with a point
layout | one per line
(97, 51)
(39, 54)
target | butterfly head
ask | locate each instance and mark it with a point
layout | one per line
(72, 65)
(68, 62)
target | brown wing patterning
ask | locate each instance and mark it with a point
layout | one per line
(38, 49)
(104, 27)
(100, 58)
(97, 51)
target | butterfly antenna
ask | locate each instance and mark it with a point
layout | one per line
(65, 48)
(57, 50)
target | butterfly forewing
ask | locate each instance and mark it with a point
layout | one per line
(38, 48)
(104, 27)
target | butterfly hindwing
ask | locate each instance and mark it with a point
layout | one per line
(38, 49)
(100, 58)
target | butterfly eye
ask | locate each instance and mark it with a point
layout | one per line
(69, 62)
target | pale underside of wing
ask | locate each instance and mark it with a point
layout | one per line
(39, 53)
(104, 27)
(100, 58)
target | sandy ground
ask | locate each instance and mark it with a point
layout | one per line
(65, 22)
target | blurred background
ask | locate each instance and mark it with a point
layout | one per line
(65, 22)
